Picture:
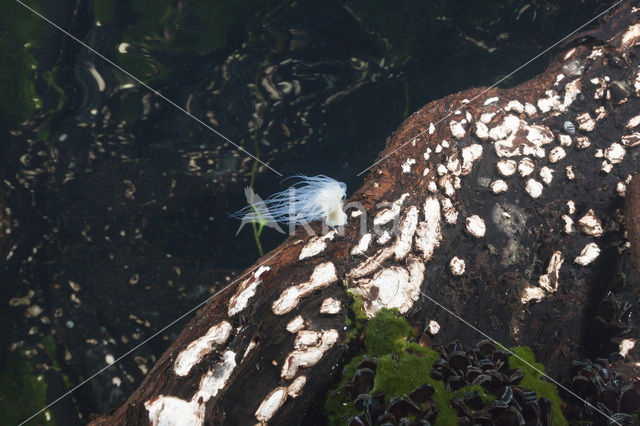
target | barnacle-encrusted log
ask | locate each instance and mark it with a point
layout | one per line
(508, 212)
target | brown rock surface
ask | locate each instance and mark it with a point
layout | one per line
(553, 249)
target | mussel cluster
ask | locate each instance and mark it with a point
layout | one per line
(418, 408)
(608, 396)
(484, 365)
(488, 366)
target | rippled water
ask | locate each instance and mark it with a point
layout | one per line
(114, 203)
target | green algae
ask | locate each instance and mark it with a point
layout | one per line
(533, 381)
(19, 64)
(355, 319)
(387, 333)
(22, 392)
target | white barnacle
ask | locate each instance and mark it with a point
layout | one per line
(499, 186)
(590, 224)
(309, 199)
(475, 226)
(534, 188)
(457, 266)
(549, 281)
(506, 167)
(615, 153)
(588, 254)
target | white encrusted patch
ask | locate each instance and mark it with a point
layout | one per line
(323, 275)
(251, 346)
(499, 186)
(506, 167)
(516, 106)
(384, 238)
(407, 230)
(533, 188)
(590, 224)
(557, 154)
(295, 388)
(470, 154)
(393, 287)
(550, 280)
(330, 306)
(515, 137)
(372, 263)
(615, 153)
(625, 346)
(170, 410)
(406, 166)
(631, 140)
(316, 245)
(589, 253)
(270, 405)
(565, 140)
(457, 266)
(306, 338)
(481, 130)
(457, 129)
(433, 327)
(491, 100)
(475, 226)
(453, 164)
(447, 184)
(450, 213)
(295, 324)
(546, 174)
(387, 215)
(633, 122)
(569, 172)
(531, 293)
(310, 355)
(246, 290)
(428, 233)
(631, 37)
(583, 142)
(585, 122)
(530, 109)
(550, 102)
(363, 245)
(571, 92)
(568, 224)
(201, 347)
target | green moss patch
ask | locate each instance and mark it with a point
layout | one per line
(387, 333)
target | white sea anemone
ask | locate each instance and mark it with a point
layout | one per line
(311, 198)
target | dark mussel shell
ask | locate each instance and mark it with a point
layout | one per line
(422, 393)
(363, 381)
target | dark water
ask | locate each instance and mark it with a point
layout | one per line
(113, 203)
